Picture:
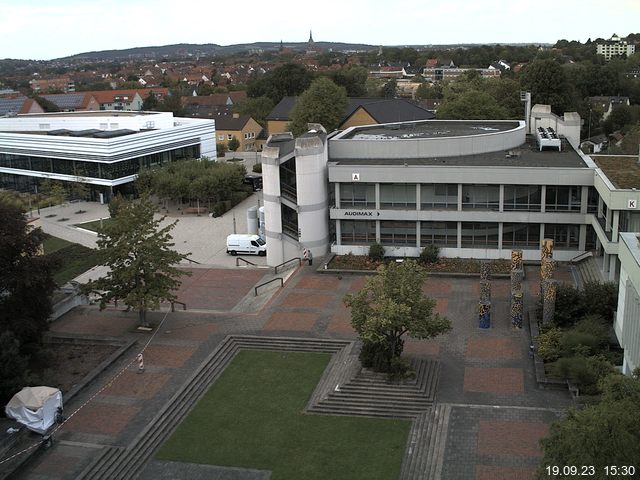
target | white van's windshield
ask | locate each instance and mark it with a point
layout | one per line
(261, 241)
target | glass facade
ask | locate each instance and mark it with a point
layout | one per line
(479, 235)
(521, 235)
(562, 199)
(439, 196)
(357, 195)
(289, 221)
(398, 233)
(357, 232)
(480, 197)
(288, 186)
(398, 196)
(442, 234)
(104, 170)
(564, 236)
(522, 198)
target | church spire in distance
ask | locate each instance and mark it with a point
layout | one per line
(310, 37)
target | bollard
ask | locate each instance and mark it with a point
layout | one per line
(140, 363)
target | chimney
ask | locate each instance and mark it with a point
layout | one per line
(236, 115)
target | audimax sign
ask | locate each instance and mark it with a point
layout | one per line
(361, 213)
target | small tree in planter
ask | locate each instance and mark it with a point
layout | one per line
(233, 144)
(390, 305)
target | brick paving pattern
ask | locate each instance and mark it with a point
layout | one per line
(494, 380)
(477, 367)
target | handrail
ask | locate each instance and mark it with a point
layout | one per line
(173, 302)
(288, 261)
(267, 283)
(192, 261)
(582, 256)
(245, 261)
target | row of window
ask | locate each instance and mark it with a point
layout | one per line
(473, 234)
(109, 171)
(247, 136)
(474, 197)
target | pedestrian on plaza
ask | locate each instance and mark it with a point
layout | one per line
(310, 257)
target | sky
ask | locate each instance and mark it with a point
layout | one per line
(45, 29)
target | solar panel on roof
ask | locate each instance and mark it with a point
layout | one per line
(69, 100)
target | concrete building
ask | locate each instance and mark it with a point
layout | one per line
(104, 149)
(627, 321)
(615, 46)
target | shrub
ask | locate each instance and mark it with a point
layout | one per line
(376, 252)
(115, 205)
(429, 254)
(379, 357)
(600, 299)
(221, 149)
(584, 372)
(257, 168)
(569, 306)
(588, 337)
(549, 344)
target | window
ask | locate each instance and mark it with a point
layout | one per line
(439, 196)
(479, 235)
(520, 235)
(480, 197)
(221, 138)
(442, 234)
(289, 221)
(562, 199)
(563, 236)
(398, 197)
(398, 233)
(357, 232)
(229, 136)
(522, 197)
(357, 195)
(592, 200)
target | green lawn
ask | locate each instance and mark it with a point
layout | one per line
(73, 259)
(93, 226)
(252, 417)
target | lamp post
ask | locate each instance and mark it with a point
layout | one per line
(589, 125)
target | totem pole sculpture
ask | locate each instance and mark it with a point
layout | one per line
(547, 285)
(484, 306)
(517, 296)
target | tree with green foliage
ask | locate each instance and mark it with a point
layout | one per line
(14, 371)
(289, 79)
(389, 89)
(221, 149)
(150, 103)
(630, 143)
(172, 103)
(323, 102)
(547, 82)
(143, 270)
(390, 305)
(257, 108)
(600, 435)
(26, 281)
(471, 105)
(55, 191)
(353, 78)
(233, 144)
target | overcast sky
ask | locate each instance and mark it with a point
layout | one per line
(45, 29)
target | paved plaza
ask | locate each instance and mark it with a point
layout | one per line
(497, 413)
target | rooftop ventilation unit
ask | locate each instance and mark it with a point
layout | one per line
(548, 138)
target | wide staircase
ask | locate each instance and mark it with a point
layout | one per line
(586, 269)
(372, 394)
(118, 463)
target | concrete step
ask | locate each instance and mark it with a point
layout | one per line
(365, 411)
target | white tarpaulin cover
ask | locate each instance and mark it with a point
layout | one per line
(35, 407)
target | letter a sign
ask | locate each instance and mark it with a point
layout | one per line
(632, 204)
(355, 177)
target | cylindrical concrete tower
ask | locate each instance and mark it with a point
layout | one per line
(252, 220)
(272, 208)
(311, 179)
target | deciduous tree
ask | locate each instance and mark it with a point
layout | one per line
(392, 304)
(142, 264)
(324, 102)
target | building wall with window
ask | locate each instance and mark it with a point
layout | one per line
(105, 149)
(627, 319)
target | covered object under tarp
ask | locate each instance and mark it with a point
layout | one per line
(35, 407)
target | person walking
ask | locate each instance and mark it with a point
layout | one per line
(310, 257)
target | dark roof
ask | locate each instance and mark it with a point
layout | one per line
(387, 110)
(11, 105)
(383, 110)
(206, 111)
(283, 109)
(66, 101)
(229, 122)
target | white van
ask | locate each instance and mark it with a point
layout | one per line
(249, 244)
